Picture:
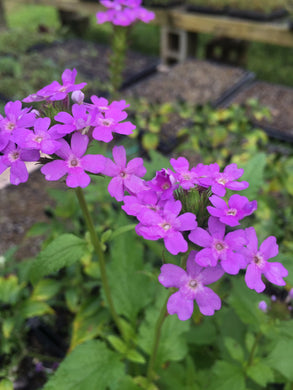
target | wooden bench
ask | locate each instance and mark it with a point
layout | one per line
(179, 27)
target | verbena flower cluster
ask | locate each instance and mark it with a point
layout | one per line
(124, 12)
(182, 206)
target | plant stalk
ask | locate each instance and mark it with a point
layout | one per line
(163, 314)
(98, 249)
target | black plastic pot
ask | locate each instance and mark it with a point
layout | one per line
(257, 15)
(206, 10)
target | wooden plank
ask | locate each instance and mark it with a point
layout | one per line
(274, 33)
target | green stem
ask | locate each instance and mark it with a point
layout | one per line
(117, 58)
(155, 347)
(251, 356)
(99, 251)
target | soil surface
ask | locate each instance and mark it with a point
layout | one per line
(194, 81)
(92, 62)
(279, 100)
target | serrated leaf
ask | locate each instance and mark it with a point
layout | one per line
(34, 308)
(64, 251)
(45, 290)
(281, 358)
(227, 376)
(234, 348)
(90, 366)
(131, 289)
(260, 373)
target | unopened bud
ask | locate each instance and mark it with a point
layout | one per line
(77, 97)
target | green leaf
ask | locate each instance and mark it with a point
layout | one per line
(45, 290)
(131, 289)
(172, 345)
(261, 373)
(135, 356)
(117, 344)
(254, 174)
(6, 384)
(10, 289)
(34, 308)
(204, 333)
(126, 383)
(150, 141)
(281, 358)
(62, 252)
(90, 366)
(227, 376)
(234, 348)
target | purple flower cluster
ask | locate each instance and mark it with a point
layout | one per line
(124, 12)
(64, 141)
(182, 206)
(158, 207)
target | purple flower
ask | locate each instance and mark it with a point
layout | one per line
(219, 181)
(39, 139)
(79, 120)
(144, 200)
(192, 287)
(164, 183)
(103, 105)
(73, 164)
(187, 178)
(56, 91)
(258, 264)
(125, 177)
(238, 207)
(167, 224)
(14, 158)
(108, 123)
(217, 246)
(16, 118)
(263, 306)
(124, 12)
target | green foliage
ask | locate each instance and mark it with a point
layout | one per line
(90, 366)
(63, 251)
(126, 276)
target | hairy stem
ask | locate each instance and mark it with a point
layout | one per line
(98, 249)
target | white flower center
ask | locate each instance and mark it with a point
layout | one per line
(73, 162)
(166, 226)
(38, 139)
(13, 156)
(192, 283)
(106, 122)
(10, 126)
(222, 180)
(231, 212)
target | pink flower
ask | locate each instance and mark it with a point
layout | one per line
(79, 120)
(219, 181)
(56, 91)
(192, 287)
(108, 123)
(238, 207)
(258, 264)
(73, 163)
(217, 246)
(167, 224)
(164, 183)
(39, 139)
(187, 178)
(14, 158)
(124, 12)
(125, 177)
(16, 118)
